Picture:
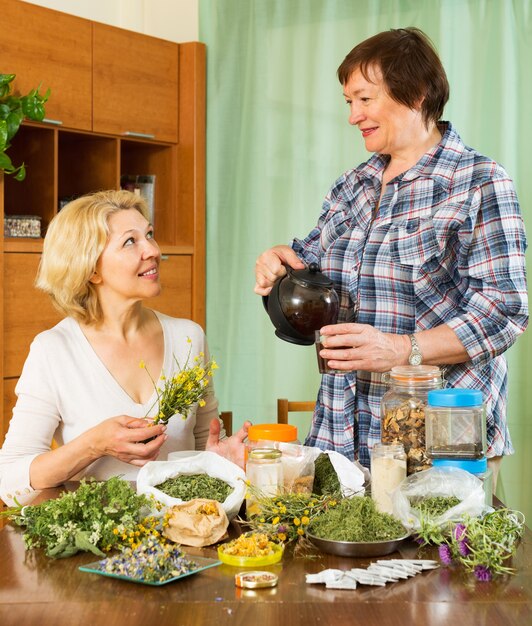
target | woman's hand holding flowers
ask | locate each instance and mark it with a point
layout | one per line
(123, 437)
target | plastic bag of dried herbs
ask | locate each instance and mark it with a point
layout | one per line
(438, 496)
(298, 465)
(220, 476)
(332, 468)
(333, 473)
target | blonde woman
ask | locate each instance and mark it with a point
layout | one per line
(81, 384)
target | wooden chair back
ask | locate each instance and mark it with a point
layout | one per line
(285, 406)
(227, 419)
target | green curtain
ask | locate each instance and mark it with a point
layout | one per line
(277, 137)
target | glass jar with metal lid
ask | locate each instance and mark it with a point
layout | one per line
(403, 409)
(268, 435)
(456, 424)
(286, 433)
(264, 471)
(388, 470)
(256, 580)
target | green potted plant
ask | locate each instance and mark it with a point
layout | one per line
(13, 110)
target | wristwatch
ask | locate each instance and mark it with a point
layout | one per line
(415, 358)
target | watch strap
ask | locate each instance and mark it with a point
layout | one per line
(415, 358)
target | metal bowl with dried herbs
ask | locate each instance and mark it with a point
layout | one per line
(355, 521)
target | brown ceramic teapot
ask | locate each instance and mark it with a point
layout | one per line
(300, 303)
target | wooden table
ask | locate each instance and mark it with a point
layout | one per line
(36, 590)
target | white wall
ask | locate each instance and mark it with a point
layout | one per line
(175, 20)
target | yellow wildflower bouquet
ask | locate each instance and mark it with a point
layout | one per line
(188, 386)
(286, 516)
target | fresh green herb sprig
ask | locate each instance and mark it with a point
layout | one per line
(189, 486)
(356, 519)
(150, 561)
(429, 509)
(93, 518)
(284, 517)
(482, 545)
(429, 532)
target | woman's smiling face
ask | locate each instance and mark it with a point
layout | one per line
(387, 126)
(129, 264)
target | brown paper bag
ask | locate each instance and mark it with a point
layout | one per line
(198, 523)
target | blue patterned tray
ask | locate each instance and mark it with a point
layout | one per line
(202, 563)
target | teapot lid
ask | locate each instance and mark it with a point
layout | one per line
(311, 276)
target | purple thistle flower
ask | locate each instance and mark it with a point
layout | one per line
(463, 548)
(281, 529)
(460, 532)
(445, 554)
(482, 573)
(460, 536)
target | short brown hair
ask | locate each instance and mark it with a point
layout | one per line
(73, 244)
(411, 69)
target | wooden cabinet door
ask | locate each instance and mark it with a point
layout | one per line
(27, 311)
(176, 280)
(134, 84)
(2, 396)
(51, 49)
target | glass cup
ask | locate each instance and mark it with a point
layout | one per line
(322, 363)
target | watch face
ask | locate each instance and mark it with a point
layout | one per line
(415, 359)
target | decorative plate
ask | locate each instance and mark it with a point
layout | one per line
(202, 563)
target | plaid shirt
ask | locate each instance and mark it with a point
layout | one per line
(446, 246)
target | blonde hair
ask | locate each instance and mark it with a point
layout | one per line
(75, 239)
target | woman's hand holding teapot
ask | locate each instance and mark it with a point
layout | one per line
(270, 266)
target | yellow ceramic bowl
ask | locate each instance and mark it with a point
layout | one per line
(252, 561)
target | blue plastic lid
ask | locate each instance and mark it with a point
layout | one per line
(473, 466)
(455, 397)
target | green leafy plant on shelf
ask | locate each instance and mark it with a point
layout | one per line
(14, 109)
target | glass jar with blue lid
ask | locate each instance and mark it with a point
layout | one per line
(455, 424)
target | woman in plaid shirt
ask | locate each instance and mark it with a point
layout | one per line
(425, 244)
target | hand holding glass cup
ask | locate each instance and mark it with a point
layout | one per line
(322, 363)
(350, 317)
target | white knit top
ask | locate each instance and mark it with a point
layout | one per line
(65, 389)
